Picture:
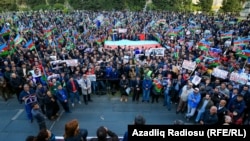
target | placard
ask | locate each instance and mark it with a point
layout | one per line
(91, 77)
(189, 65)
(196, 80)
(220, 73)
(240, 78)
(72, 62)
(157, 51)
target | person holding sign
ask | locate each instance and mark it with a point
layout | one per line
(29, 97)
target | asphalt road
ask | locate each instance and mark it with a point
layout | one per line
(105, 110)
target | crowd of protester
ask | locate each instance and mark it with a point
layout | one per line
(35, 46)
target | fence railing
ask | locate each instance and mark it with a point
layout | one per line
(60, 138)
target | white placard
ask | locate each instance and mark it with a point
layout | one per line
(72, 62)
(196, 80)
(122, 30)
(220, 73)
(240, 78)
(125, 59)
(157, 51)
(189, 65)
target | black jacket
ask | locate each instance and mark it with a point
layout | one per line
(112, 137)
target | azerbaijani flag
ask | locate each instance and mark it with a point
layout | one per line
(203, 45)
(100, 40)
(214, 62)
(158, 37)
(4, 48)
(246, 53)
(30, 45)
(18, 39)
(226, 35)
(158, 86)
(5, 32)
(198, 60)
(214, 52)
(173, 32)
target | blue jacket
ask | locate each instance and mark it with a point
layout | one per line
(61, 95)
(197, 99)
(114, 75)
(108, 71)
(147, 83)
(236, 105)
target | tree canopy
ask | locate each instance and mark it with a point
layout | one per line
(108, 5)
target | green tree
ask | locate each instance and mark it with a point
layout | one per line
(8, 5)
(233, 6)
(135, 5)
(33, 3)
(160, 4)
(205, 5)
(51, 2)
(187, 5)
(170, 5)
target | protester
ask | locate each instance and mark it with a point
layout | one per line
(192, 103)
(72, 87)
(62, 97)
(85, 85)
(209, 117)
(52, 107)
(39, 116)
(28, 97)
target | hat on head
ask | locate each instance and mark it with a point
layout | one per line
(197, 89)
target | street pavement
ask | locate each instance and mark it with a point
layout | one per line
(105, 110)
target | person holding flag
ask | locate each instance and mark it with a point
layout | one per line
(157, 88)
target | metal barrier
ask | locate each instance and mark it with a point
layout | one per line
(60, 138)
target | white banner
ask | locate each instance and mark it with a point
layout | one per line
(220, 73)
(157, 51)
(189, 65)
(92, 77)
(122, 30)
(72, 62)
(196, 80)
(240, 78)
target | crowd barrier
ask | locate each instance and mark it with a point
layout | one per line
(60, 138)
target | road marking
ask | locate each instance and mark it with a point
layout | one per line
(54, 122)
(17, 114)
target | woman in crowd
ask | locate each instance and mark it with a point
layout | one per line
(73, 132)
